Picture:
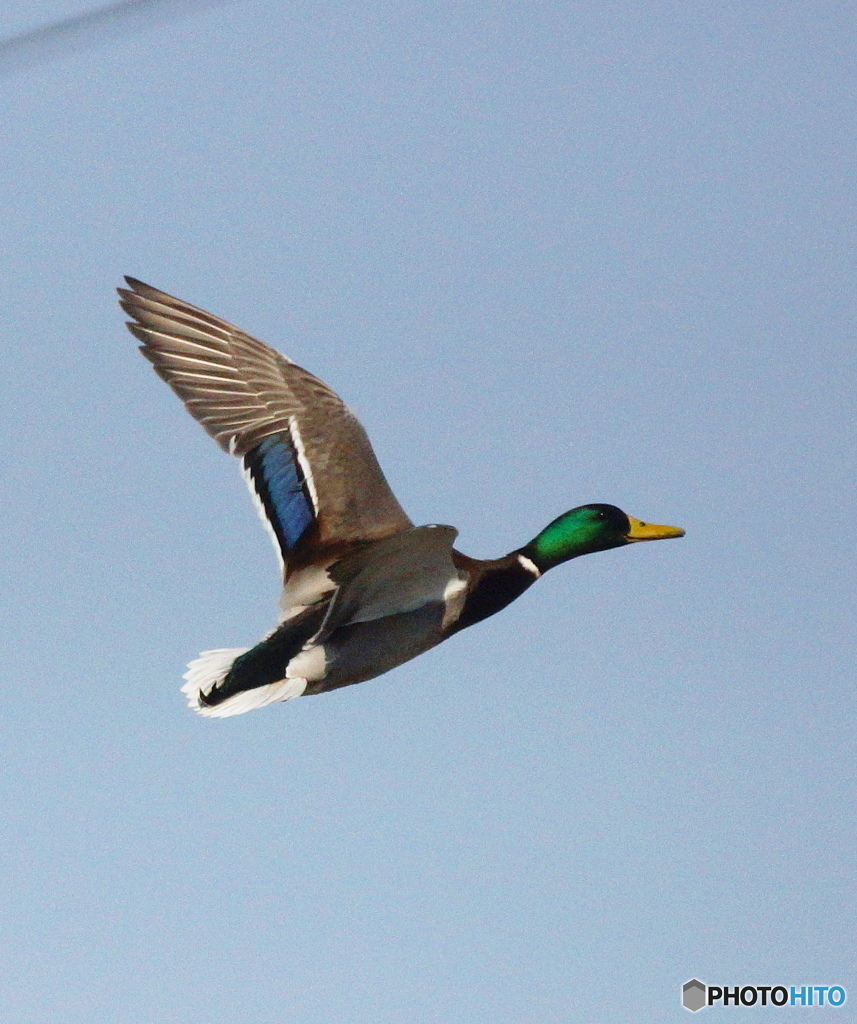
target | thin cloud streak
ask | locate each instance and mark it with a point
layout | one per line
(69, 36)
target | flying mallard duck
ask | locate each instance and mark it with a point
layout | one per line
(365, 590)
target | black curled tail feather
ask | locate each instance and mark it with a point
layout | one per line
(267, 661)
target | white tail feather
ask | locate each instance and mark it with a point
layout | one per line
(210, 668)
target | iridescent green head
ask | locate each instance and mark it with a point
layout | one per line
(590, 528)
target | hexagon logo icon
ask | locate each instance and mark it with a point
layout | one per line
(693, 995)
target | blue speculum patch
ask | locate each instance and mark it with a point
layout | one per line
(282, 488)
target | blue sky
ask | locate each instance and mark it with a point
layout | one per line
(550, 254)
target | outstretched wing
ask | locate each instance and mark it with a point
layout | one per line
(306, 457)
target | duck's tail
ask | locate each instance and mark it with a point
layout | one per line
(207, 673)
(237, 679)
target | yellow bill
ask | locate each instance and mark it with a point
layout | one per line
(650, 531)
